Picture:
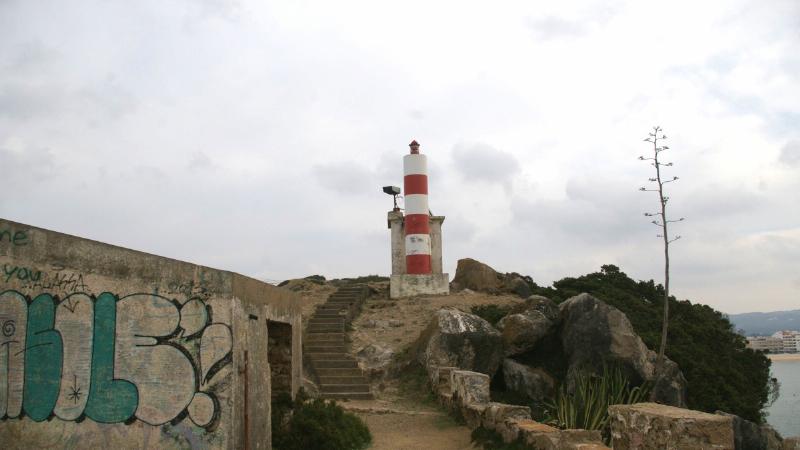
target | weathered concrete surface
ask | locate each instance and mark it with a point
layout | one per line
(394, 220)
(114, 348)
(407, 285)
(650, 425)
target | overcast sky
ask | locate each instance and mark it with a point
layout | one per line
(255, 136)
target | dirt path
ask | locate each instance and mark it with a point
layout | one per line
(406, 429)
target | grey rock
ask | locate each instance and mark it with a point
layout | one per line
(458, 339)
(395, 323)
(751, 436)
(475, 275)
(518, 286)
(521, 331)
(534, 383)
(594, 333)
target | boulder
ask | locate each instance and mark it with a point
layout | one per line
(644, 426)
(518, 286)
(375, 360)
(751, 436)
(458, 339)
(791, 443)
(522, 330)
(475, 275)
(535, 383)
(594, 333)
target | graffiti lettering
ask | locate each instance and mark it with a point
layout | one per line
(16, 238)
(36, 280)
(108, 358)
(188, 289)
(20, 273)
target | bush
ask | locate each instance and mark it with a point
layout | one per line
(315, 424)
(587, 406)
(490, 313)
(721, 373)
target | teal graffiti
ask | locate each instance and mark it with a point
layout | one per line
(110, 400)
(109, 359)
(43, 358)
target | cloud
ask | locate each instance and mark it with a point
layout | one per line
(484, 163)
(790, 154)
(552, 27)
(345, 178)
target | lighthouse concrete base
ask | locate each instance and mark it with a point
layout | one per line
(406, 285)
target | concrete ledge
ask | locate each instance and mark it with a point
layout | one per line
(644, 426)
(407, 285)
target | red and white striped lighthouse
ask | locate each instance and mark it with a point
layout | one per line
(417, 228)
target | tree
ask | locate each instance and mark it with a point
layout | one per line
(660, 220)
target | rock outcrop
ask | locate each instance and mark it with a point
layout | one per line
(534, 383)
(458, 339)
(594, 333)
(522, 330)
(752, 436)
(645, 426)
(475, 275)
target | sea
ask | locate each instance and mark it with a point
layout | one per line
(784, 414)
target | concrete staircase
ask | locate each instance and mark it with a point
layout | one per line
(337, 372)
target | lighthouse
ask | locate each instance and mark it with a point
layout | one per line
(416, 236)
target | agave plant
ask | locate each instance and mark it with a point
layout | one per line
(587, 406)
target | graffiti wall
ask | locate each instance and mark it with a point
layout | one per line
(104, 346)
(110, 359)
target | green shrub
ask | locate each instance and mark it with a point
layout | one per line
(721, 373)
(315, 424)
(490, 313)
(587, 406)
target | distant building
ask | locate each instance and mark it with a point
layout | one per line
(767, 344)
(780, 342)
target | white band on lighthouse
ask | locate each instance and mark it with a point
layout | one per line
(415, 165)
(418, 244)
(416, 204)
(416, 225)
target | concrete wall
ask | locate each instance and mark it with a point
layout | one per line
(105, 347)
(398, 242)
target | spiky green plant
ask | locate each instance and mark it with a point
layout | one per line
(587, 406)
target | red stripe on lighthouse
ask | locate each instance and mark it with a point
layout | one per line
(417, 224)
(418, 264)
(415, 184)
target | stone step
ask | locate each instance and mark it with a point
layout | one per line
(327, 315)
(324, 337)
(319, 356)
(318, 347)
(325, 328)
(330, 309)
(348, 380)
(342, 388)
(334, 364)
(341, 301)
(339, 372)
(347, 395)
(326, 320)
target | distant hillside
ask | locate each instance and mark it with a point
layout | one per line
(765, 324)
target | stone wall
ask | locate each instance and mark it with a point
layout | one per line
(105, 347)
(467, 395)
